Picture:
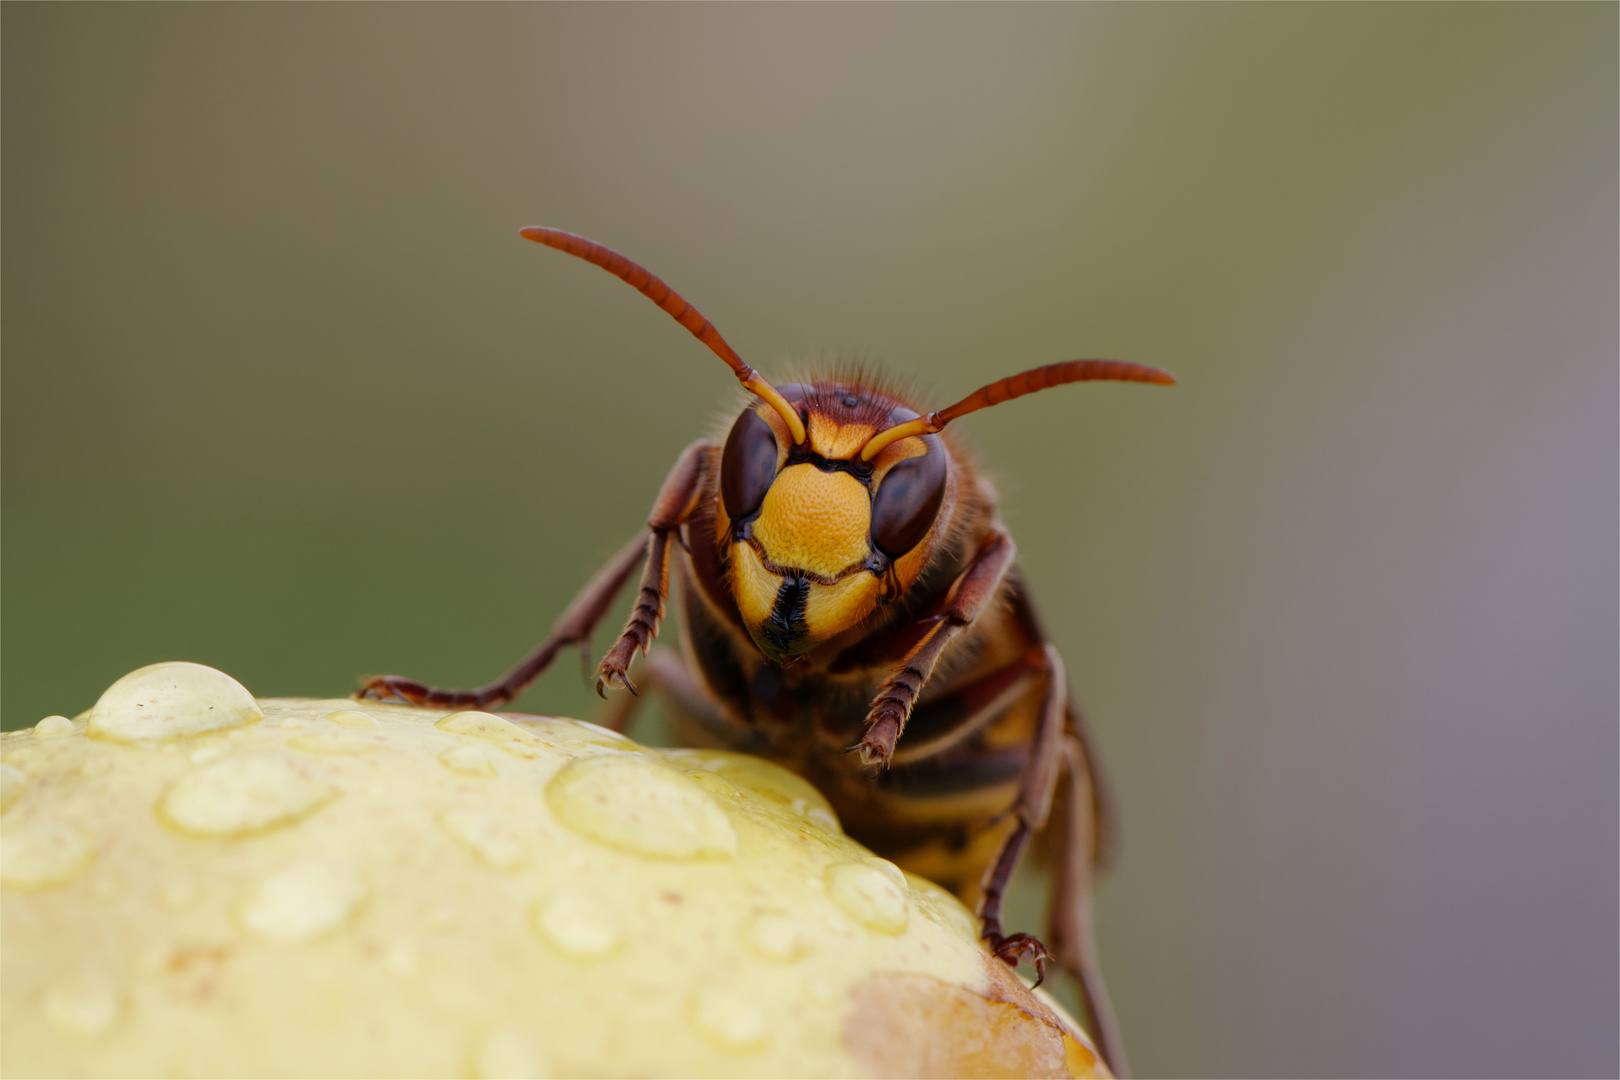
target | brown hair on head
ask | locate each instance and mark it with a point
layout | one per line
(1013, 386)
(653, 288)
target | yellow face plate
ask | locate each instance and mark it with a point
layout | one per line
(815, 521)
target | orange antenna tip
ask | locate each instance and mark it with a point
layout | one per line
(1014, 386)
(653, 288)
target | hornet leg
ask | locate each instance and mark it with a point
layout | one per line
(972, 592)
(1030, 809)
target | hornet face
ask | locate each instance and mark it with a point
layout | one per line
(818, 538)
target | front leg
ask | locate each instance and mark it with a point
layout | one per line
(645, 617)
(675, 500)
(679, 497)
(968, 597)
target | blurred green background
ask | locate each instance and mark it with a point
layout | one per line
(285, 394)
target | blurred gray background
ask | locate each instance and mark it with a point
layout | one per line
(285, 394)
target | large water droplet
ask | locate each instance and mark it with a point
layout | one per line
(331, 742)
(640, 805)
(492, 838)
(872, 892)
(576, 925)
(509, 1053)
(13, 782)
(304, 900)
(82, 1004)
(775, 936)
(775, 784)
(729, 1021)
(53, 725)
(468, 760)
(242, 794)
(169, 701)
(352, 718)
(42, 854)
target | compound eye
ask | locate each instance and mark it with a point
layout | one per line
(908, 500)
(748, 465)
